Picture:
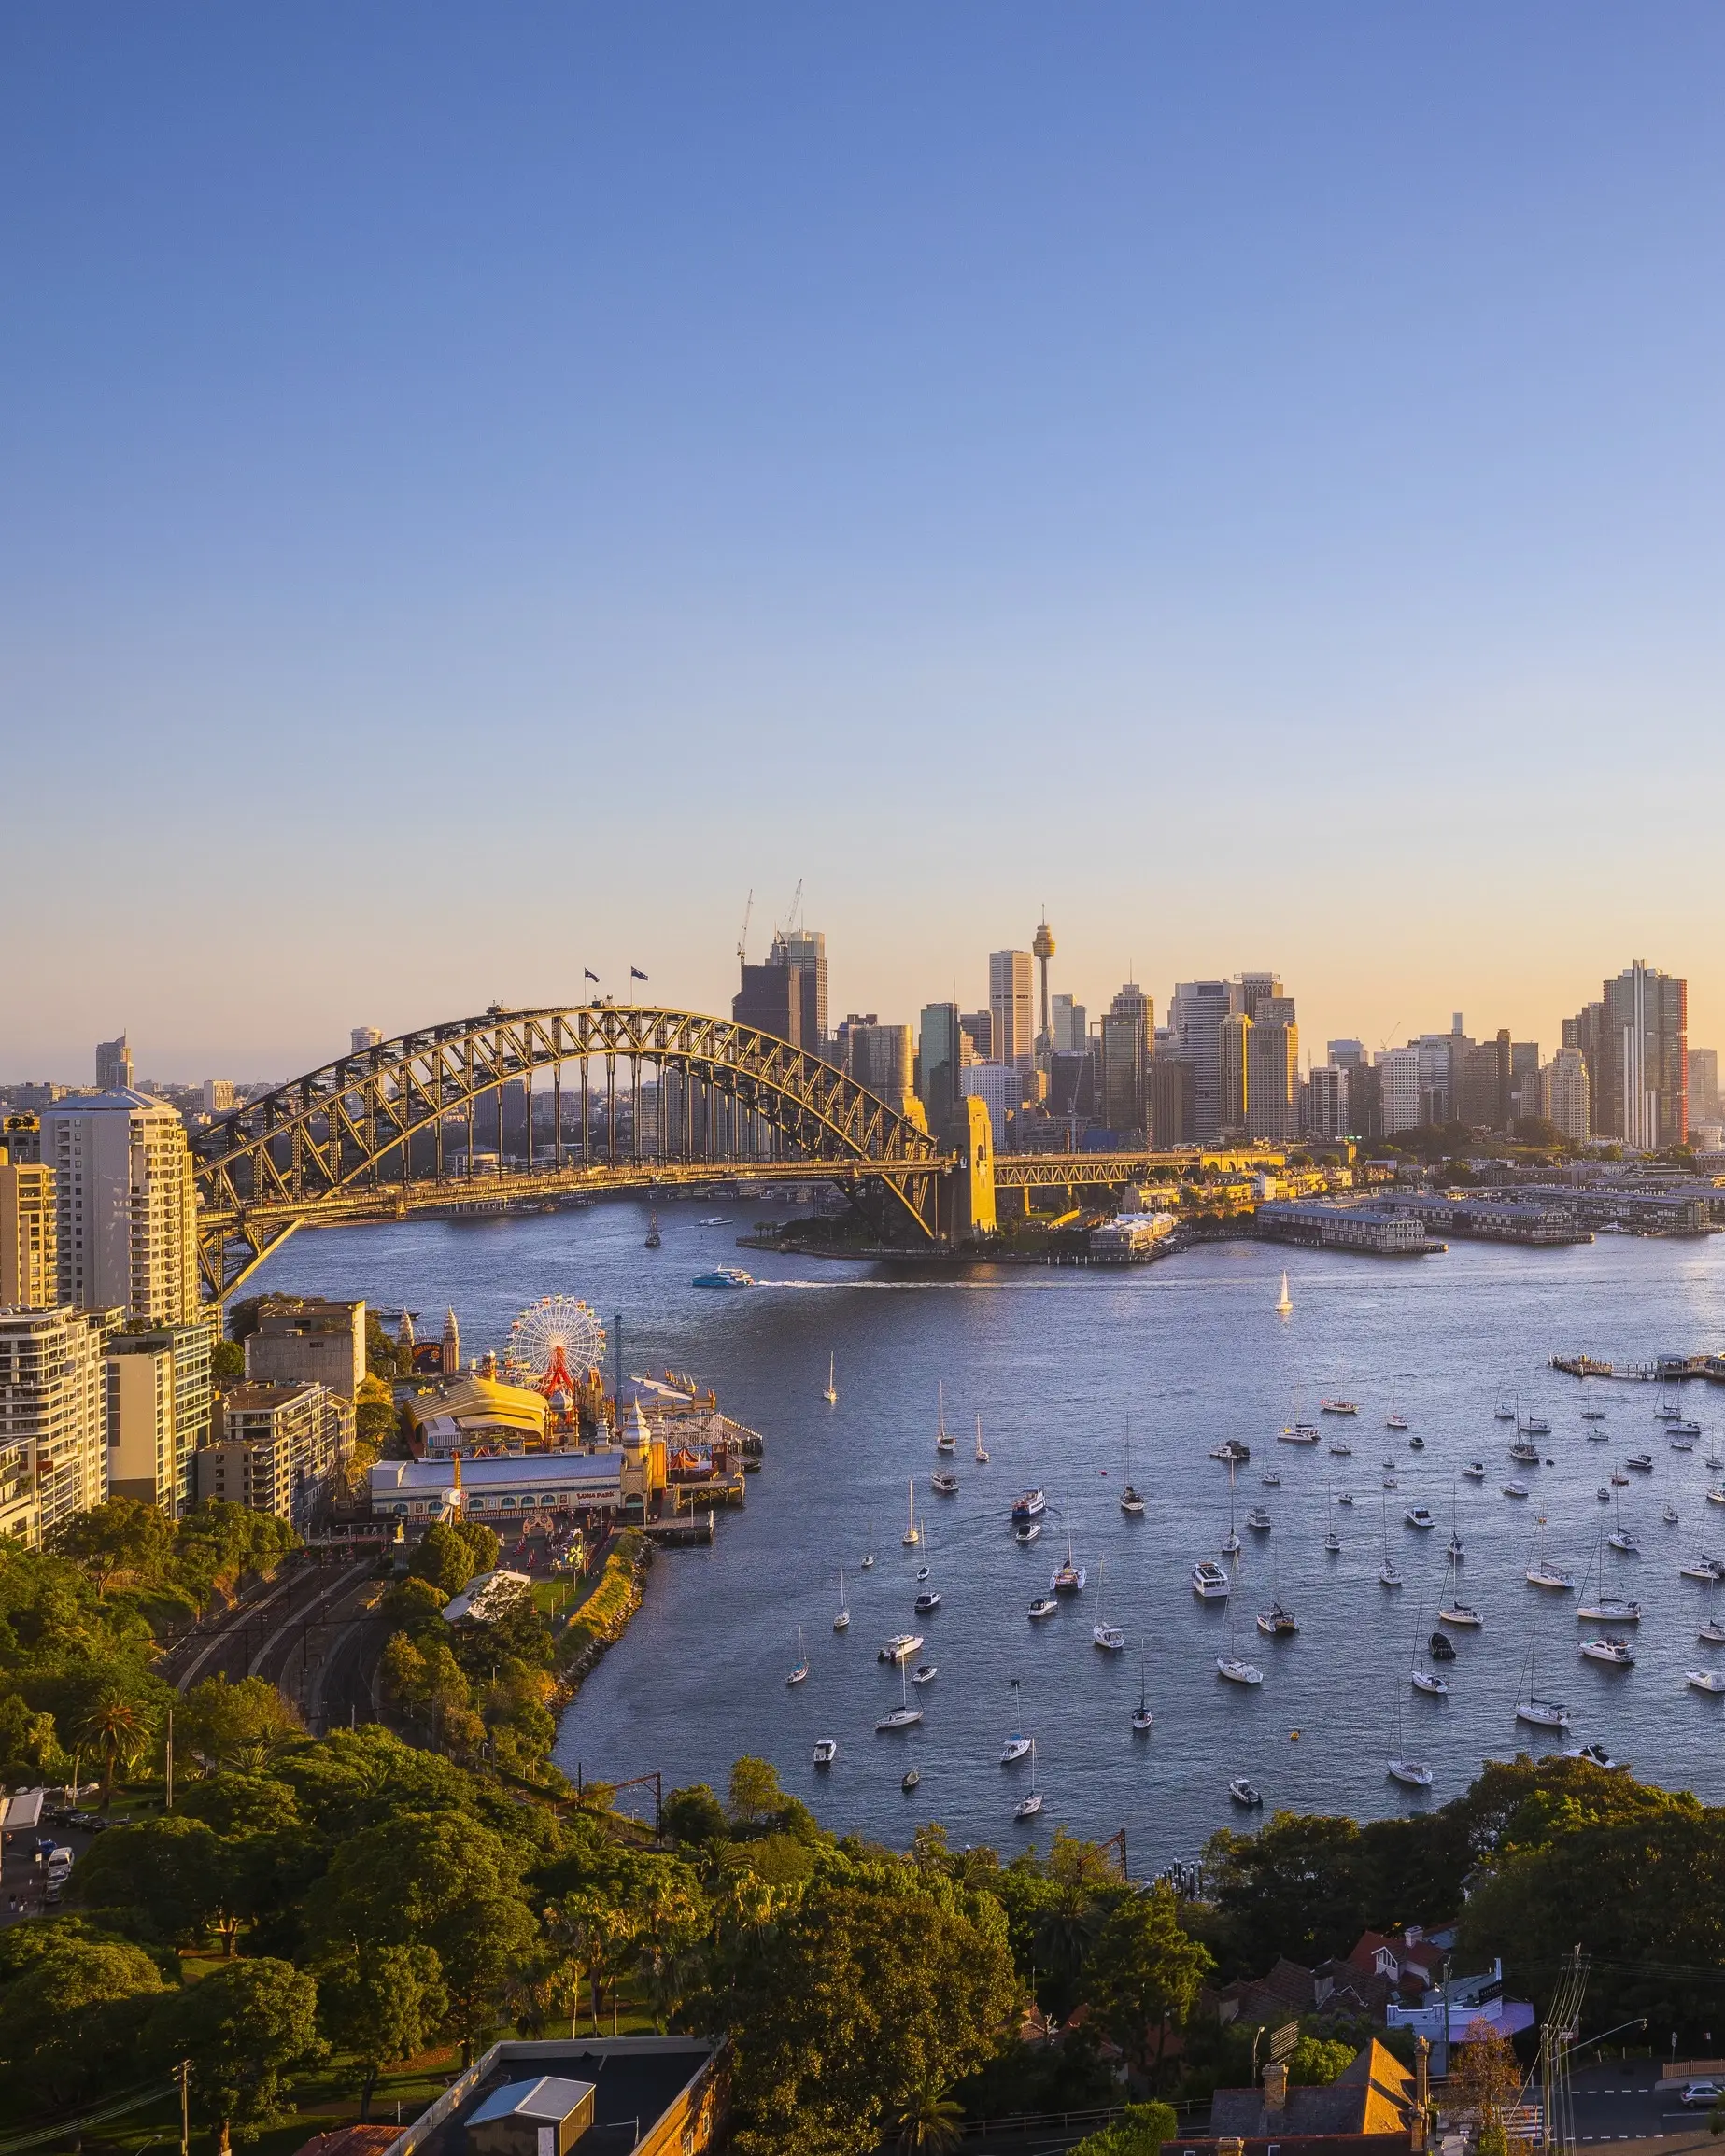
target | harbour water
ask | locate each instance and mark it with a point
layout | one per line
(1059, 1363)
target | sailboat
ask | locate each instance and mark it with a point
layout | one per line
(1396, 1419)
(1458, 1548)
(1017, 1745)
(913, 1534)
(1541, 1571)
(943, 1438)
(1030, 1803)
(1598, 1607)
(653, 1233)
(1424, 1678)
(1284, 1302)
(904, 1715)
(1621, 1538)
(1332, 1541)
(842, 1623)
(1142, 1715)
(1450, 1610)
(868, 1563)
(1131, 1503)
(1110, 1637)
(1410, 1773)
(1542, 1713)
(1232, 1666)
(1387, 1572)
(982, 1450)
(1231, 1544)
(801, 1669)
(831, 1394)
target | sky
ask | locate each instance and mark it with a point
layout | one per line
(485, 489)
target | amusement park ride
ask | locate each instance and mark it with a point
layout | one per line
(553, 1345)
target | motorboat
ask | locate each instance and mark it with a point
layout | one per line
(1515, 1490)
(1712, 1634)
(1298, 1433)
(928, 1602)
(1419, 1515)
(725, 1277)
(1344, 1497)
(901, 1647)
(1044, 1606)
(1028, 1531)
(1440, 1647)
(1339, 1407)
(1244, 1791)
(1389, 1482)
(1593, 1756)
(1640, 1461)
(1416, 1442)
(913, 1775)
(1270, 1481)
(826, 1751)
(1706, 1680)
(943, 1482)
(1410, 1773)
(1609, 1610)
(1462, 1615)
(1277, 1623)
(1232, 1448)
(1238, 1670)
(1716, 1494)
(1616, 1654)
(925, 1673)
(1475, 1470)
(1625, 1539)
(1543, 1713)
(1603, 1493)
(1258, 1520)
(1028, 1505)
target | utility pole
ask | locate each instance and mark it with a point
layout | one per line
(182, 2074)
(169, 1805)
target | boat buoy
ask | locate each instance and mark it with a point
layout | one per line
(1293, 1736)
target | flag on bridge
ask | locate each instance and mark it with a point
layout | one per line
(590, 974)
(635, 973)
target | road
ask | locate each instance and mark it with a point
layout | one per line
(1623, 2102)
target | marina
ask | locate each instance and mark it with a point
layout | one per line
(1056, 1362)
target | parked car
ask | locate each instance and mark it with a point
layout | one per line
(1701, 2096)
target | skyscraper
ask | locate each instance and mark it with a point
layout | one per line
(1563, 1094)
(772, 1000)
(53, 1417)
(1196, 1019)
(1071, 1022)
(28, 1269)
(1703, 1085)
(1128, 1045)
(1400, 1092)
(364, 1036)
(1009, 1007)
(1643, 1098)
(879, 1057)
(805, 948)
(1326, 1101)
(113, 1066)
(939, 1057)
(1273, 1081)
(1234, 1073)
(126, 1206)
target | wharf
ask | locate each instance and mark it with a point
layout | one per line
(1662, 1370)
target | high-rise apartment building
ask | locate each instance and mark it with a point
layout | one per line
(53, 1416)
(275, 1447)
(113, 1066)
(941, 1055)
(1703, 1085)
(126, 1203)
(1009, 1007)
(219, 1095)
(1643, 1091)
(160, 1405)
(29, 1270)
(1128, 1049)
(1173, 1099)
(1234, 1073)
(1273, 1071)
(1327, 1100)
(1401, 1093)
(1195, 1018)
(1564, 1094)
(364, 1036)
(1486, 1073)
(804, 949)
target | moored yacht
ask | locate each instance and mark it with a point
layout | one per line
(1339, 1407)
(1028, 1531)
(901, 1647)
(1029, 1505)
(1616, 1654)
(1210, 1582)
(1462, 1615)
(1419, 1515)
(1277, 1623)
(826, 1751)
(943, 1482)
(1232, 1448)
(1706, 1680)
(1475, 1470)
(943, 1438)
(1044, 1606)
(1608, 1610)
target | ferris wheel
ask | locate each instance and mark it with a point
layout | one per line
(553, 1340)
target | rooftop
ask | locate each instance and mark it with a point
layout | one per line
(651, 2091)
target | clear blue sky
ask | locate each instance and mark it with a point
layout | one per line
(483, 487)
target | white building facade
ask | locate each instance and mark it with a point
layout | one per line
(125, 1205)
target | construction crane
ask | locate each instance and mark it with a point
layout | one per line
(788, 925)
(743, 938)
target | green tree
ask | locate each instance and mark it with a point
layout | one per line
(157, 1879)
(755, 1796)
(929, 2122)
(1145, 1972)
(245, 2027)
(227, 1365)
(442, 1559)
(30, 1748)
(1140, 2130)
(72, 2019)
(693, 1815)
(1316, 2061)
(858, 2000)
(375, 1414)
(119, 1726)
(244, 1722)
(381, 2007)
(119, 1539)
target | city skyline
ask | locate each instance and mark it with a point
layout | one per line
(1275, 494)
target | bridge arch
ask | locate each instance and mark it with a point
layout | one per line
(345, 1139)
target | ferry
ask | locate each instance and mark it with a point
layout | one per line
(1210, 1582)
(725, 1277)
(1030, 1506)
(901, 1647)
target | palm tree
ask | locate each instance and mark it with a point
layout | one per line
(121, 1733)
(928, 2121)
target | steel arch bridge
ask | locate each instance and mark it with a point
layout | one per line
(368, 1134)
